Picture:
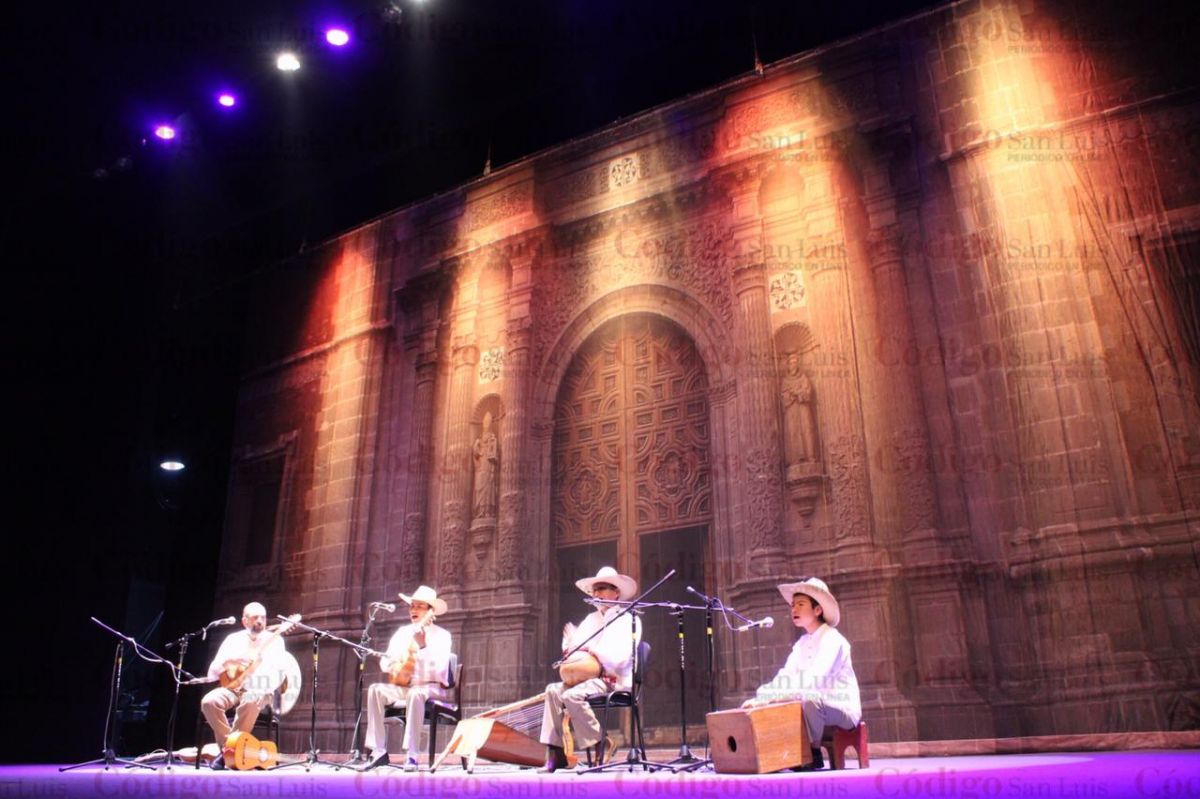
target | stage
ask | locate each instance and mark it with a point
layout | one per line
(1155, 773)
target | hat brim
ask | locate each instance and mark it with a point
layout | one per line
(829, 605)
(439, 605)
(626, 585)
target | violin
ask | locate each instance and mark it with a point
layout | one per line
(401, 672)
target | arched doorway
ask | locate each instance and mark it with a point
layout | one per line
(632, 487)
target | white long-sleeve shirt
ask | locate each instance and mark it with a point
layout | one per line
(432, 661)
(818, 667)
(612, 648)
(240, 646)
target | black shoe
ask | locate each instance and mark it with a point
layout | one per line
(375, 761)
(556, 758)
(218, 763)
(816, 764)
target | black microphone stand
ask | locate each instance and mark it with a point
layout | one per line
(685, 753)
(108, 757)
(357, 755)
(711, 603)
(312, 758)
(182, 642)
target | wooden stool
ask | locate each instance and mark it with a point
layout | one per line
(837, 740)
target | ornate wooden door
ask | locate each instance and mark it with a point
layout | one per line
(631, 439)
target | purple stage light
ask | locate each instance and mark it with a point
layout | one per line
(337, 37)
(226, 100)
(164, 132)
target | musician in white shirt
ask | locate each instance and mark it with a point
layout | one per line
(818, 672)
(429, 646)
(255, 693)
(612, 649)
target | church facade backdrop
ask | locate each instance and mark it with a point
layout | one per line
(916, 313)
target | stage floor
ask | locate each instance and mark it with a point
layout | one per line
(1086, 775)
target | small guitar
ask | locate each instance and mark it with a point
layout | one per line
(401, 672)
(238, 671)
(243, 752)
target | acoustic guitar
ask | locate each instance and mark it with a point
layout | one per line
(244, 752)
(238, 671)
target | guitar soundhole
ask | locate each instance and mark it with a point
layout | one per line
(732, 744)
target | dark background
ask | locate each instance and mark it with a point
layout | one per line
(127, 259)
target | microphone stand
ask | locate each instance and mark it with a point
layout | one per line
(182, 642)
(637, 755)
(108, 757)
(711, 603)
(685, 754)
(312, 759)
(356, 755)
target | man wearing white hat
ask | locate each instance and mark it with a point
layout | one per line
(425, 648)
(818, 672)
(612, 649)
(240, 647)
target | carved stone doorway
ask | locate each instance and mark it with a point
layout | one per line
(632, 484)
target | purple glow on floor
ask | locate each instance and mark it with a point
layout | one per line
(1087, 775)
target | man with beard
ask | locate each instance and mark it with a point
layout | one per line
(250, 697)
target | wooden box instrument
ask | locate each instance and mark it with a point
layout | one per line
(758, 740)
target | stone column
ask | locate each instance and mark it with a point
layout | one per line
(514, 468)
(759, 422)
(904, 456)
(420, 456)
(834, 376)
(456, 494)
(933, 571)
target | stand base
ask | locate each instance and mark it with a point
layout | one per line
(108, 760)
(308, 762)
(635, 759)
(686, 758)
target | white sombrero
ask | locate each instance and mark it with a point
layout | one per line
(626, 585)
(427, 595)
(814, 587)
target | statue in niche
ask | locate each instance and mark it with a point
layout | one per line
(799, 423)
(487, 459)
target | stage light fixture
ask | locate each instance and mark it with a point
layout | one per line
(226, 100)
(164, 132)
(337, 37)
(172, 466)
(287, 62)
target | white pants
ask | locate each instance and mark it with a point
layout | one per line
(382, 695)
(818, 716)
(585, 727)
(217, 702)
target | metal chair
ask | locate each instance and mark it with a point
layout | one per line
(621, 699)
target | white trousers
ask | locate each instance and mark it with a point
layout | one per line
(585, 727)
(382, 695)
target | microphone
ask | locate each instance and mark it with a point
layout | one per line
(217, 623)
(765, 622)
(390, 607)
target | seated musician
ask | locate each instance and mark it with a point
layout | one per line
(418, 657)
(253, 694)
(612, 650)
(818, 672)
